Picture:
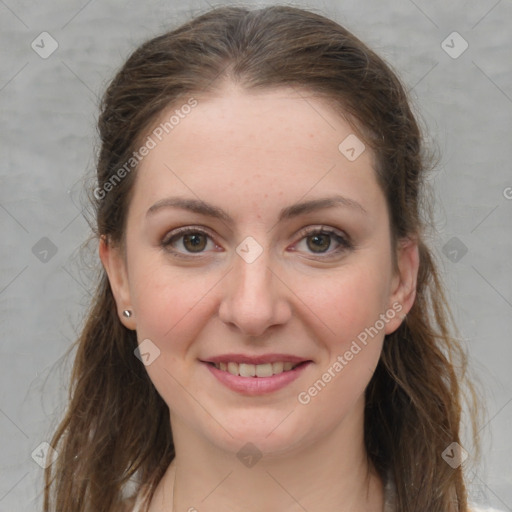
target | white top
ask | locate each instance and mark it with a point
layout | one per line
(138, 505)
(478, 509)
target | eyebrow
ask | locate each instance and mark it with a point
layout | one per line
(203, 208)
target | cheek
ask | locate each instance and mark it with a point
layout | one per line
(167, 299)
(350, 311)
(172, 308)
(349, 301)
(351, 308)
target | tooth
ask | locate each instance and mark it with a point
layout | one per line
(256, 370)
(247, 370)
(264, 370)
(277, 368)
(233, 368)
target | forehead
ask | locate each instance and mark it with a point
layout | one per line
(238, 145)
(259, 120)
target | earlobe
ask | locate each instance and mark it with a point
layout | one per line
(403, 291)
(115, 266)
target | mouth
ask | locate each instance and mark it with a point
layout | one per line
(256, 370)
(256, 375)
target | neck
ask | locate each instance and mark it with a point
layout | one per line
(330, 474)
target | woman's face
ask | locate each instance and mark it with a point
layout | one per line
(286, 258)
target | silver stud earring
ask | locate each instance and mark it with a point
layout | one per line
(127, 313)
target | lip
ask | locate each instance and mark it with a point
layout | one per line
(254, 386)
(264, 358)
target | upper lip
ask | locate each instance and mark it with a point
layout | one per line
(246, 359)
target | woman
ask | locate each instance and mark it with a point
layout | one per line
(270, 330)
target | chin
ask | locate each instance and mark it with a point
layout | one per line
(280, 434)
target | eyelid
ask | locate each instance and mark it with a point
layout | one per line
(178, 233)
(322, 228)
(184, 230)
(342, 239)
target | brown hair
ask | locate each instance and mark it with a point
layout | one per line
(117, 426)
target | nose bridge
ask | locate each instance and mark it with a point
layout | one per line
(252, 301)
(254, 277)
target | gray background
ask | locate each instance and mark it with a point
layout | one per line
(48, 141)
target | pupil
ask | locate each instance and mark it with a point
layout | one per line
(320, 238)
(195, 242)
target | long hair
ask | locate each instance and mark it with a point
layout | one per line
(116, 428)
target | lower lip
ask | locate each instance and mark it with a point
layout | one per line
(256, 385)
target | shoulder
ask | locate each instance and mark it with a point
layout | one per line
(129, 505)
(134, 504)
(476, 508)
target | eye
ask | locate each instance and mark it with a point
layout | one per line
(187, 241)
(318, 240)
(190, 240)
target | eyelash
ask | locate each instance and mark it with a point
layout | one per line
(179, 233)
(343, 241)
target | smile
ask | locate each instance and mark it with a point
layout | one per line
(256, 370)
(253, 379)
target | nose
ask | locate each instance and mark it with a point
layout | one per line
(254, 298)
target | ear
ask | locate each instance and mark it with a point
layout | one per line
(115, 265)
(403, 286)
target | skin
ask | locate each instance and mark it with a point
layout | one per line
(253, 154)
